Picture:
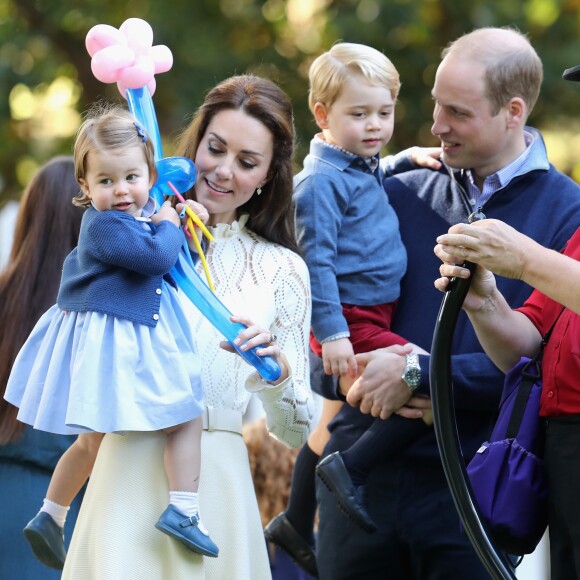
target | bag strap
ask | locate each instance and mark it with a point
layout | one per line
(531, 373)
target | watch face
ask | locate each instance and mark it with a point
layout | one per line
(413, 377)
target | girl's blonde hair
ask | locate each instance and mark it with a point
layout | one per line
(108, 127)
(329, 71)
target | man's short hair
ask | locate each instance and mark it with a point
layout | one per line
(512, 66)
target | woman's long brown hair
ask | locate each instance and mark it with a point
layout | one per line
(47, 229)
(271, 215)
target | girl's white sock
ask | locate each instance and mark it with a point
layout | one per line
(185, 501)
(57, 512)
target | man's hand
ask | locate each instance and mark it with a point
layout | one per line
(380, 390)
(418, 407)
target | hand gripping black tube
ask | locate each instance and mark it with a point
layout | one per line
(496, 563)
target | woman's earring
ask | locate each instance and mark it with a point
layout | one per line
(259, 190)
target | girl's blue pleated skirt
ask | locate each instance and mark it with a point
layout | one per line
(88, 371)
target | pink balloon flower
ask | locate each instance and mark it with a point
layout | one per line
(126, 56)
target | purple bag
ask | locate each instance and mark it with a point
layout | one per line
(507, 472)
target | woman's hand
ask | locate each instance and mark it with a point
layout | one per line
(481, 289)
(484, 243)
(491, 243)
(257, 336)
(198, 209)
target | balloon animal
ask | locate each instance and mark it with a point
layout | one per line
(126, 56)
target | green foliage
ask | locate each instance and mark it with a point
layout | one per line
(42, 42)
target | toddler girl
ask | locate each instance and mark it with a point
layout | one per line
(116, 352)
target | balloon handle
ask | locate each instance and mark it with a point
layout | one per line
(219, 316)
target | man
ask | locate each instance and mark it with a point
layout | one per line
(485, 88)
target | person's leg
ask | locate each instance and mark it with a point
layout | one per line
(301, 509)
(381, 439)
(182, 459)
(45, 532)
(439, 546)
(290, 529)
(563, 477)
(345, 472)
(344, 551)
(73, 469)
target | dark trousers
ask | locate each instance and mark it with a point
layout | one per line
(420, 536)
(562, 461)
(370, 329)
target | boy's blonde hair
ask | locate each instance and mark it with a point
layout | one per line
(108, 127)
(329, 71)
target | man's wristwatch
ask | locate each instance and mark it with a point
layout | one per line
(412, 374)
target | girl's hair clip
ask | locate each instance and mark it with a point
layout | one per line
(140, 131)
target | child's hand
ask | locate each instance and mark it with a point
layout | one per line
(166, 213)
(426, 157)
(338, 358)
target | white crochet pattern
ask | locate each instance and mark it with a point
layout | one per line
(269, 284)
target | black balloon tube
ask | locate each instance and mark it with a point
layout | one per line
(496, 563)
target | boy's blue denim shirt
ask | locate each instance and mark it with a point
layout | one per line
(349, 234)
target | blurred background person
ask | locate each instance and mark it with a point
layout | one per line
(46, 230)
(271, 464)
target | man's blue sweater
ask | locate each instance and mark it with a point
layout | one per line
(543, 204)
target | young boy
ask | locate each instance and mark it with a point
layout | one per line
(350, 236)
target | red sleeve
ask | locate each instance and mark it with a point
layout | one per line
(540, 309)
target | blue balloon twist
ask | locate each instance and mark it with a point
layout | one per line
(181, 172)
